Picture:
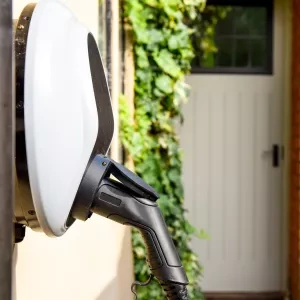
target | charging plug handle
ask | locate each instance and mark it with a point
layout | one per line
(130, 201)
(115, 202)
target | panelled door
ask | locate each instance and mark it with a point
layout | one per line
(232, 142)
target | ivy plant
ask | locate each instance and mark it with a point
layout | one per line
(163, 53)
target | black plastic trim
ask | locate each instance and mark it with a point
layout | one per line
(83, 198)
(24, 208)
(102, 97)
(89, 185)
(110, 199)
(102, 167)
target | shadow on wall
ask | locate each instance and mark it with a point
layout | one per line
(14, 263)
(120, 288)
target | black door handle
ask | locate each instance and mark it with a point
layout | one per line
(276, 153)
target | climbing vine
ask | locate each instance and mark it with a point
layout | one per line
(163, 51)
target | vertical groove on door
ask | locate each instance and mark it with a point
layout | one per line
(233, 178)
(253, 244)
(224, 105)
(193, 153)
(269, 192)
(240, 200)
(209, 216)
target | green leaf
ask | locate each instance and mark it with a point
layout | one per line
(142, 58)
(203, 235)
(152, 3)
(181, 92)
(164, 83)
(167, 63)
(174, 175)
(158, 93)
(155, 36)
(140, 252)
(179, 40)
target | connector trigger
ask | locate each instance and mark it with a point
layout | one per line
(132, 181)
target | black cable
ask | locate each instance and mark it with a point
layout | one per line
(140, 284)
(175, 291)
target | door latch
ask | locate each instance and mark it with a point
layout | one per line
(275, 152)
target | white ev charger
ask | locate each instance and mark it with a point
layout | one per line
(64, 127)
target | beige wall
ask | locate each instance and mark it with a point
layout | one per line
(92, 261)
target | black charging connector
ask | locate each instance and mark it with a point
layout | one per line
(130, 201)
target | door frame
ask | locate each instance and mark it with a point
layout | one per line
(287, 63)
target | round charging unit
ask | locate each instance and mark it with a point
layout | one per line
(63, 113)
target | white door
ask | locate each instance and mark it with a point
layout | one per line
(232, 188)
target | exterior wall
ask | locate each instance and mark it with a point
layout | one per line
(93, 260)
(294, 257)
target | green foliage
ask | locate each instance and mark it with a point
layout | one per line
(204, 32)
(163, 54)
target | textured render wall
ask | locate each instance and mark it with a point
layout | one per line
(92, 261)
(294, 234)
